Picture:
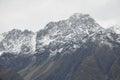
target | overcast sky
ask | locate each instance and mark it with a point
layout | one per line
(35, 14)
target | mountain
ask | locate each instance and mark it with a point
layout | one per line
(16, 48)
(75, 31)
(77, 48)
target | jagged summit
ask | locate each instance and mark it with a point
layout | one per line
(75, 22)
(82, 18)
(114, 29)
(79, 16)
(77, 19)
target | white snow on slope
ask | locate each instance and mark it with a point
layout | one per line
(115, 28)
(46, 40)
(33, 41)
(1, 37)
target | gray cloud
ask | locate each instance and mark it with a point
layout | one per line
(35, 14)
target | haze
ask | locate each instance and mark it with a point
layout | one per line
(35, 14)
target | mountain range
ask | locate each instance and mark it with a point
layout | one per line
(77, 48)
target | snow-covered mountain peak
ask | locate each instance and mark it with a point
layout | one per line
(74, 30)
(64, 34)
(81, 18)
(76, 20)
(17, 41)
(79, 15)
(115, 29)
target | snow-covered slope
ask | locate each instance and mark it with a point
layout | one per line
(61, 36)
(114, 29)
(17, 41)
(67, 34)
(114, 33)
(1, 37)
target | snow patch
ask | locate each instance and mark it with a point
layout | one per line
(60, 50)
(116, 29)
(107, 43)
(1, 37)
(75, 46)
(1, 53)
(33, 42)
(46, 40)
(53, 53)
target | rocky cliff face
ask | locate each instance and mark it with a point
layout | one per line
(77, 48)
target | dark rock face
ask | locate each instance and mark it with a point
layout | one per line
(91, 63)
(8, 74)
(73, 49)
(14, 62)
